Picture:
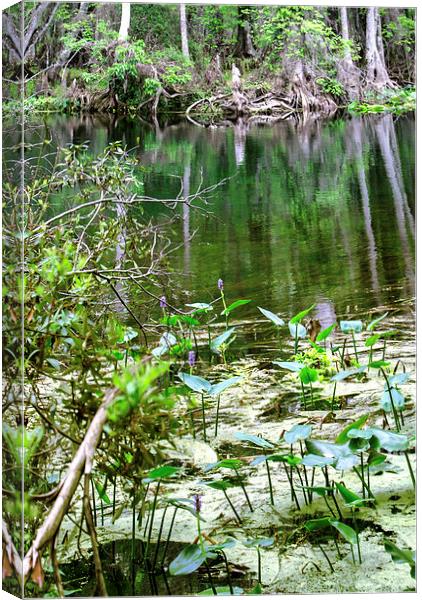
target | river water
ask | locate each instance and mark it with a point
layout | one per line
(319, 212)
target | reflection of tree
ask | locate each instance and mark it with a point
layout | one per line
(355, 127)
(384, 129)
(186, 210)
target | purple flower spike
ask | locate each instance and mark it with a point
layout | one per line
(191, 358)
(220, 284)
(198, 502)
(163, 302)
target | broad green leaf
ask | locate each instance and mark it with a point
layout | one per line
(398, 379)
(341, 375)
(56, 364)
(290, 366)
(401, 556)
(296, 433)
(234, 305)
(388, 440)
(255, 591)
(271, 316)
(226, 463)
(316, 524)
(221, 339)
(188, 561)
(307, 375)
(102, 492)
(343, 457)
(297, 318)
(253, 439)
(195, 383)
(347, 532)
(297, 330)
(348, 326)
(228, 543)
(286, 458)
(320, 490)
(218, 388)
(375, 322)
(322, 335)
(377, 364)
(348, 496)
(398, 400)
(371, 341)
(162, 472)
(358, 424)
(258, 460)
(314, 460)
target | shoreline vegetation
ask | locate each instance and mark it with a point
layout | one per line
(210, 63)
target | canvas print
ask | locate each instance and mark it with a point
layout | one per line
(209, 356)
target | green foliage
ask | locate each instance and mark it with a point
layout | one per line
(331, 86)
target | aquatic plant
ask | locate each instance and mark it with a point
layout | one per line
(401, 556)
(235, 464)
(259, 543)
(275, 319)
(352, 327)
(297, 330)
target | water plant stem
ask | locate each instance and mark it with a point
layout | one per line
(357, 535)
(214, 591)
(229, 579)
(362, 468)
(343, 352)
(154, 505)
(259, 566)
(333, 398)
(291, 487)
(358, 473)
(160, 532)
(232, 507)
(169, 535)
(216, 416)
(94, 506)
(393, 406)
(242, 485)
(303, 394)
(269, 482)
(203, 418)
(354, 346)
(326, 557)
(409, 466)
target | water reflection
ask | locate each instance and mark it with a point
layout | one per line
(321, 210)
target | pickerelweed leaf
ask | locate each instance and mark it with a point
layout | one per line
(271, 316)
(258, 460)
(372, 340)
(316, 524)
(308, 375)
(396, 397)
(195, 383)
(320, 490)
(398, 379)
(347, 532)
(259, 542)
(253, 439)
(102, 492)
(226, 463)
(358, 424)
(322, 335)
(217, 342)
(218, 388)
(388, 440)
(401, 556)
(297, 330)
(348, 496)
(375, 322)
(301, 315)
(296, 433)
(188, 561)
(234, 305)
(290, 366)
(228, 543)
(348, 326)
(341, 375)
(377, 364)
(285, 458)
(162, 472)
(343, 457)
(314, 460)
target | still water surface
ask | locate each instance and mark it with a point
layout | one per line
(322, 212)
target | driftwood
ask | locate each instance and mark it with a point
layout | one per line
(81, 464)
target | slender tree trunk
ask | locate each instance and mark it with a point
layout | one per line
(347, 72)
(376, 72)
(184, 31)
(125, 22)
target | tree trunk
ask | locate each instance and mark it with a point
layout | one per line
(125, 22)
(244, 46)
(347, 72)
(184, 31)
(376, 72)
